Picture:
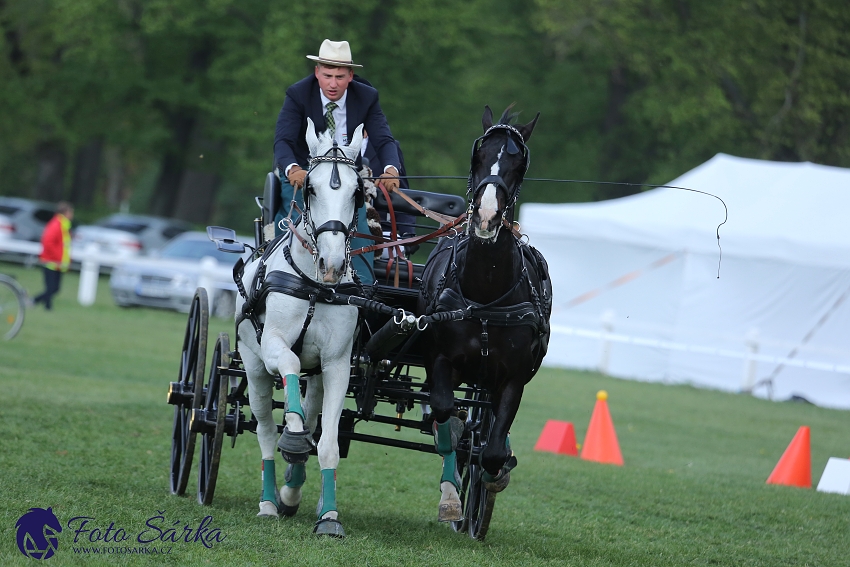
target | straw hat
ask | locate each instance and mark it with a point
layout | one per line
(335, 54)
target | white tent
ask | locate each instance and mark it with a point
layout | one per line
(637, 292)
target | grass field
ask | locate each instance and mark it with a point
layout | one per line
(86, 431)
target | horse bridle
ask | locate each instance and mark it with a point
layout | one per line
(513, 148)
(335, 156)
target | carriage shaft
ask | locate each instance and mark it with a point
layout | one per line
(400, 443)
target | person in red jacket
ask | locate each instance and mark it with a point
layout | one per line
(55, 252)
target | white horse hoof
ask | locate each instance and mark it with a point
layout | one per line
(267, 510)
(450, 511)
(289, 499)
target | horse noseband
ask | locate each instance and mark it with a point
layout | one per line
(495, 180)
(331, 225)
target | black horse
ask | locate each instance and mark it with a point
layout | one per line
(502, 285)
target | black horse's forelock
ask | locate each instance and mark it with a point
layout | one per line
(509, 117)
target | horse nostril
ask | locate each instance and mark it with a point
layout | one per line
(322, 264)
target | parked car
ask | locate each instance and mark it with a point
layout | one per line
(28, 217)
(128, 235)
(13, 249)
(168, 277)
(7, 227)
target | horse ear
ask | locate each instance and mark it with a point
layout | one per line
(487, 119)
(312, 139)
(528, 128)
(353, 147)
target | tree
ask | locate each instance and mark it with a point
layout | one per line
(690, 79)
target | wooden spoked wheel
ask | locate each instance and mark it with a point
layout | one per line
(476, 501)
(186, 392)
(214, 411)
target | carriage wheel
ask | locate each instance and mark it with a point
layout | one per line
(188, 388)
(215, 410)
(477, 502)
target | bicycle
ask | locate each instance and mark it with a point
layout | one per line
(12, 307)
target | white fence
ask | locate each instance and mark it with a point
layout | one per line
(749, 357)
(91, 259)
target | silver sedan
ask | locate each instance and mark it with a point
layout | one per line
(168, 278)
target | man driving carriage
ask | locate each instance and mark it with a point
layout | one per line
(334, 98)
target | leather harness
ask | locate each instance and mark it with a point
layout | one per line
(297, 285)
(534, 313)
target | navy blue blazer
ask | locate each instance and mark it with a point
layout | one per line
(303, 101)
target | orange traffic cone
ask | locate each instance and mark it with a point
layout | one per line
(795, 466)
(600, 443)
(558, 437)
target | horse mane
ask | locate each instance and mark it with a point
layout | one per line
(326, 141)
(509, 117)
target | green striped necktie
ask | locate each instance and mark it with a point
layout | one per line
(329, 117)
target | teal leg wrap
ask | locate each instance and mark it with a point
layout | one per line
(450, 470)
(269, 482)
(443, 437)
(293, 395)
(327, 497)
(295, 475)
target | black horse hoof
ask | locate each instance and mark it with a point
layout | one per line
(499, 483)
(329, 527)
(295, 447)
(288, 511)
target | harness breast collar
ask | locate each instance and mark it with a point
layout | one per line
(532, 313)
(297, 285)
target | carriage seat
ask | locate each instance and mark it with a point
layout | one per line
(442, 203)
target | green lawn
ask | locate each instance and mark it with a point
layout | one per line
(86, 431)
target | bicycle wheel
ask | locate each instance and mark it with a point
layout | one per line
(12, 307)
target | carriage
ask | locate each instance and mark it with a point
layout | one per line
(385, 379)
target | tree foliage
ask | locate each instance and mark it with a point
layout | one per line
(168, 106)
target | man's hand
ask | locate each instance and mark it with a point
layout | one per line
(389, 179)
(296, 176)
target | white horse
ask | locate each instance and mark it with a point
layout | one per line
(329, 196)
